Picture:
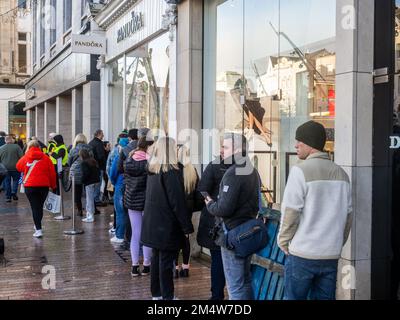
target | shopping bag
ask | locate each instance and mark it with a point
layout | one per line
(53, 203)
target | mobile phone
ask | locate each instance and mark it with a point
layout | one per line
(205, 194)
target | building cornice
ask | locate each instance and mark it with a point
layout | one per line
(112, 11)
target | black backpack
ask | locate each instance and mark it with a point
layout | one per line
(1, 246)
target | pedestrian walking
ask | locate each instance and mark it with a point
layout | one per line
(90, 180)
(100, 156)
(210, 182)
(316, 218)
(135, 168)
(39, 176)
(193, 203)
(237, 203)
(74, 163)
(10, 154)
(166, 218)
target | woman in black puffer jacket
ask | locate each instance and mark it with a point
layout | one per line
(135, 174)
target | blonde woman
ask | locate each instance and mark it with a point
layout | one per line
(74, 162)
(193, 203)
(166, 218)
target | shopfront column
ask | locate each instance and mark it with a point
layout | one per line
(353, 137)
(189, 57)
(91, 108)
(40, 121)
(77, 102)
(64, 115)
(50, 119)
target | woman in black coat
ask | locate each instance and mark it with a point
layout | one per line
(166, 218)
(210, 182)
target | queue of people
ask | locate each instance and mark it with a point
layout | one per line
(156, 189)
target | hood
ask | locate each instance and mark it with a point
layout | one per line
(34, 154)
(140, 156)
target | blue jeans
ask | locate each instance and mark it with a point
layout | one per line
(120, 211)
(217, 276)
(11, 183)
(315, 279)
(90, 207)
(238, 276)
(97, 190)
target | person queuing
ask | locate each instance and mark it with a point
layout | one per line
(105, 193)
(166, 219)
(193, 203)
(209, 183)
(10, 153)
(51, 144)
(39, 176)
(74, 162)
(59, 152)
(100, 156)
(135, 168)
(90, 180)
(117, 179)
(237, 203)
(316, 218)
(43, 147)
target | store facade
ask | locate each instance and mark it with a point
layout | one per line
(135, 72)
(272, 65)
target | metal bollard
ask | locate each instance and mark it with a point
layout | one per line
(73, 231)
(62, 217)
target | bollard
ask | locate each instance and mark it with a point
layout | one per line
(62, 217)
(73, 231)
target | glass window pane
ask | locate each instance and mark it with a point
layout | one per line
(116, 98)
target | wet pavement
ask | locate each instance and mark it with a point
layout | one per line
(86, 267)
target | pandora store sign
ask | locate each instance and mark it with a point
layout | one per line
(131, 27)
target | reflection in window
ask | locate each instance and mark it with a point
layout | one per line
(116, 97)
(147, 89)
(274, 67)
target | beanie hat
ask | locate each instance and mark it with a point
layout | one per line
(312, 134)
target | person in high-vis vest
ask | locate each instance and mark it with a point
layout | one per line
(59, 152)
(51, 144)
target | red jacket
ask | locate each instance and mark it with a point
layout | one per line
(43, 174)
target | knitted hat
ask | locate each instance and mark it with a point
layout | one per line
(312, 134)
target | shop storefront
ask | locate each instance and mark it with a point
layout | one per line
(135, 73)
(266, 72)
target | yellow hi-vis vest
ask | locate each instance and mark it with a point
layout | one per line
(56, 150)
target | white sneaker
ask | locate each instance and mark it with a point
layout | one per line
(88, 220)
(157, 298)
(38, 234)
(116, 240)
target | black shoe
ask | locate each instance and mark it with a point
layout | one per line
(176, 274)
(184, 273)
(8, 200)
(97, 212)
(101, 204)
(15, 198)
(135, 271)
(146, 270)
(80, 213)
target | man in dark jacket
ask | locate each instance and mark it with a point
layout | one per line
(210, 182)
(100, 156)
(238, 202)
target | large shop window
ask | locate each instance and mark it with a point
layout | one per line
(269, 67)
(147, 85)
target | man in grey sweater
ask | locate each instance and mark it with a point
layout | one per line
(10, 154)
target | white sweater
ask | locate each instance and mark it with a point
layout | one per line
(316, 210)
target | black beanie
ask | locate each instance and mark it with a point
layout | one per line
(312, 134)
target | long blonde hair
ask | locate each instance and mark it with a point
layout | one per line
(80, 138)
(163, 158)
(189, 172)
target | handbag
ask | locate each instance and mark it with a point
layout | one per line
(22, 190)
(52, 203)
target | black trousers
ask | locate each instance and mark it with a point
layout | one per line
(78, 196)
(162, 279)
(37, 196)
(217, 275)
(185, 252)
